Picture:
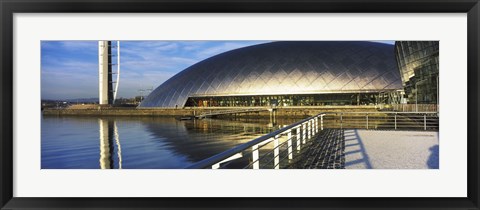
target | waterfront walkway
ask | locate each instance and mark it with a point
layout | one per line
(371, 149)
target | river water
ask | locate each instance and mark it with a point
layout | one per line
(142, 142)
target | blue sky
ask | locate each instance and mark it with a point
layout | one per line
(69, 69)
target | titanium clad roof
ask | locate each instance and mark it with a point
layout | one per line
(278, 68)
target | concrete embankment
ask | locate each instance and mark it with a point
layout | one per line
(280, 111)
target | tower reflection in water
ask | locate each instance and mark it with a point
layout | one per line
(108, 133)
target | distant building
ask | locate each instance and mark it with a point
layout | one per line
(294, 73)
(419, 67)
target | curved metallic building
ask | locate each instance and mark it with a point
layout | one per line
(284, 68)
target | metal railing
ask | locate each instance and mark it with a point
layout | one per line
(383, 120)
(412, 107)
(297, 135)
(292, 139)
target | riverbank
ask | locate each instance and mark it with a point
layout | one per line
(279, 111)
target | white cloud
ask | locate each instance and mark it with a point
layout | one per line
(131, 83)
(192, 45)
(227, 46)
(140, 59)
(168, 47)
(69, 66)
(80, 45)
(68, 85)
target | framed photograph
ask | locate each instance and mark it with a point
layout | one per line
(239, 105)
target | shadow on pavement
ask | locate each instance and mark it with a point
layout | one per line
(353, 139)
(433, 159)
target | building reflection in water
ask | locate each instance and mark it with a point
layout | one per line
(199, 139)
(108, 132)
(193, 140)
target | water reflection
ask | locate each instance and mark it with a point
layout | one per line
(146, 142)
(119, 147)
(200, 139)
(108, 131)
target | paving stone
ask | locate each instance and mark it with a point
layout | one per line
(325, 151)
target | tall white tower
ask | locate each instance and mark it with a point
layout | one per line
(105, 90)
(106, 93)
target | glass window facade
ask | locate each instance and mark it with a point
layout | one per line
(294, 100)
(418, 62)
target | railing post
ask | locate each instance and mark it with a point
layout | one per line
(316, 124)
(367, 121)
(299, 137)
(395, 121)
(321, 122)
(309, 129)
(289, 144)
(276, 153)
(304, 128)
(424, 121)
(313, 126)
(256, 163)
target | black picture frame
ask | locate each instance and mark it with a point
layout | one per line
(10, 7)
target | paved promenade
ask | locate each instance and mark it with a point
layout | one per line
(371, 149)
(367, 149)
